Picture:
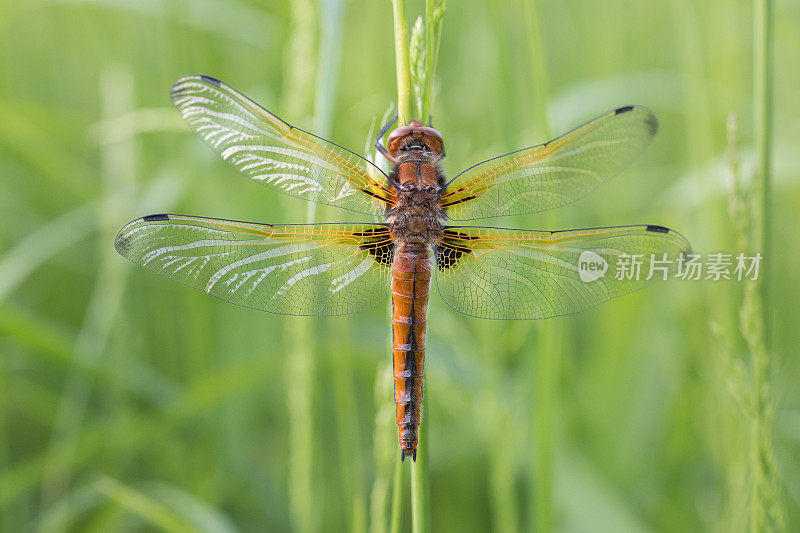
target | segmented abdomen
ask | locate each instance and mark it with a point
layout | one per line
(411, 277)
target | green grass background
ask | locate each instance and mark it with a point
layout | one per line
(129, 403)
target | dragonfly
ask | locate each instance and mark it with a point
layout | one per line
(419, 232)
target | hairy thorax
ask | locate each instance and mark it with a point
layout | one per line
(416, 217)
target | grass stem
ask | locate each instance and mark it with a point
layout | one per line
(385, 448)
(118, 181)
(762, 121)
(547, 359)
(403, 63)
(420, 502)
(766, 512)
(429, 52)
(396, 517)
(350, 452)
(331, 18)
(300, 383)
(300, 371)
(538, 67)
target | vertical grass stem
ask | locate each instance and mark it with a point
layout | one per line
(766, 512)
(402, 62)
(545, 371)
(300, 370)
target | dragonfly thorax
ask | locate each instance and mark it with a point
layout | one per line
(416, 216)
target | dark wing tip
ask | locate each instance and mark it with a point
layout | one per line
(211, 80)
(121, 241)
(686, 247)
(657, 229)
(651, 122)
(198, 77)
(154, 218)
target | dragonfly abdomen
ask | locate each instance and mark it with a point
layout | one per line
(411, 277)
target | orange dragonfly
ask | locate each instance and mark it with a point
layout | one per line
(341, 268)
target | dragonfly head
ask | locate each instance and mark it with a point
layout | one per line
(415, 137)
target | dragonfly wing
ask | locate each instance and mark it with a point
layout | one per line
(313, 269)
(553, 174)
(515, 274)
(279, 155)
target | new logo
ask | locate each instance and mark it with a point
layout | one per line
(591, 266)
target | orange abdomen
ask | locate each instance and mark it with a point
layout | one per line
(411, 277)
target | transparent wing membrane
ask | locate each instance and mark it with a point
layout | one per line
(315, 269)
(270, 151)
(553, 174)
(335, 269)
(515, 274)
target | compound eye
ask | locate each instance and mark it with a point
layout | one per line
(430, 132)
(399, 132)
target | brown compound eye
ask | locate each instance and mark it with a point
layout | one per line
(402, 131)
(430, 132)
(433, 139)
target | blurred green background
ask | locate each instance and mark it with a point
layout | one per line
(131, 403)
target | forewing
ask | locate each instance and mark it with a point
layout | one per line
(314, 269)
(281, 156)
(552, 174)
(498, 273)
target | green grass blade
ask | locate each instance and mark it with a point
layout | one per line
(116, 90)
(403, 65)
(396, 516)
(300, 362)
(152, 511)
(420, 488)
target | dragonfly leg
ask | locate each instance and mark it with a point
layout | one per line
(384, 129)
(379, 146)
(382, 149)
